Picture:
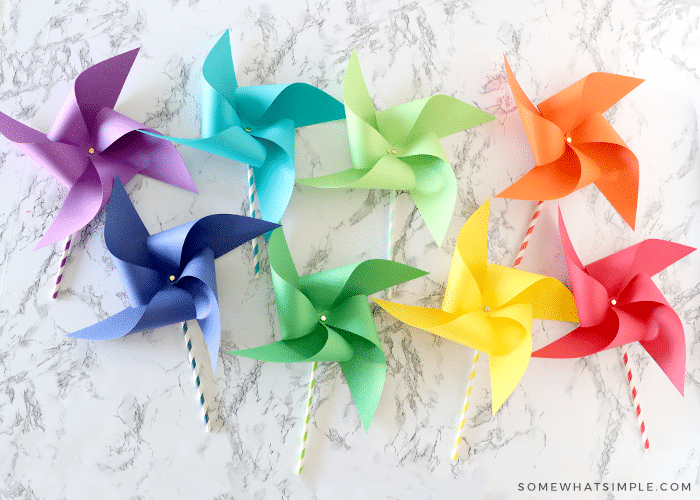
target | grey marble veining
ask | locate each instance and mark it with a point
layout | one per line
(119, 419)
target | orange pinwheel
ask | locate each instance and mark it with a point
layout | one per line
(574, 145)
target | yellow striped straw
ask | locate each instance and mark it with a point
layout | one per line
(465, 408)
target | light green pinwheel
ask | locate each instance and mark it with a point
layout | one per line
(399, 148)
(326, 317)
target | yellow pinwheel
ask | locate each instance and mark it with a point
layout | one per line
(490, 308)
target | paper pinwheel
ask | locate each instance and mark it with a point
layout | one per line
(399, 148)
(169, 276)
(490, 308)
(618, 303)
(574, 145)
(255, 125)
(326, 317)
(89, 144)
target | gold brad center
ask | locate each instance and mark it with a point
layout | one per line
(394, 151)
(172, 277)
(323, 318)
(568, 139)
(91, 150)
(487, 309)
(248, 129)
(613, 301)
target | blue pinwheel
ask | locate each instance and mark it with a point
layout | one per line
(169, 276)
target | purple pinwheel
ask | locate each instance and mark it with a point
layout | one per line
(90, 144)
(169, 276)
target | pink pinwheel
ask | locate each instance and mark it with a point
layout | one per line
(618, 303)
(90, 144)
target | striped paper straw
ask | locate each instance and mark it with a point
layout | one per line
(62, 264)
(635, 400)
(465, 408)
(390, 239)
(252, 191)
(472, 372)
(530, 229)
(195, 374)
(307, 417)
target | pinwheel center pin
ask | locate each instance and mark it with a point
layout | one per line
(613, 302)
(568, 139)
(487, 309)
(172, 277)
(323, 318)
(91, 150)
(248, 129)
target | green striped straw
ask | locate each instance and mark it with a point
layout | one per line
(307, 418)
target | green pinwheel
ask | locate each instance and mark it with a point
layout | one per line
(325, 316)
(399, 148)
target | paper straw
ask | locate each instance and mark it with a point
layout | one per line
(252, 190)
(530, 229)
(62, 264)
(635, 401)
(195, 374)
(465, 408)
(390, 239)
(307, 417)
(472, 372)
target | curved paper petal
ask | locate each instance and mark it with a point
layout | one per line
(548, 297)
(355, 93)
(173, 248)
(388, 173)
(85, 199)
(125, 237)
(471, 329)
(218, 70)
(329, 288)
(265, 104)
(69, 126)
(595, 93)
(322, 344)
(233, 143)
(650, 256)
(297, 315)
(468, 271)
(365, 374)
(435, 195)
(99, 86)
(441, 115)
(550, 181)
(354, 316)
(274, 179)
(546, 138)
(508, 369)
(668, 347)
(167, 307)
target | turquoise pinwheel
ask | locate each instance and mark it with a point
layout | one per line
(255, 125)
(325, 316)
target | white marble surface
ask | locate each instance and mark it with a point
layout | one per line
(85, 420)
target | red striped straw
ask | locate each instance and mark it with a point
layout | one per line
(59, 273)
(530, 229)
(635, 401)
